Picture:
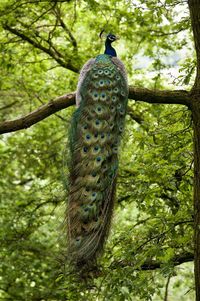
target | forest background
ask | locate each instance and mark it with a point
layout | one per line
(149, 254)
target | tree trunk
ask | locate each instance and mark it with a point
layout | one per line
(194, 6)
(196, 119)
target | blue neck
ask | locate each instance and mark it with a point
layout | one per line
(109, 49)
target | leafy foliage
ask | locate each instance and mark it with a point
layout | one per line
(153, 222)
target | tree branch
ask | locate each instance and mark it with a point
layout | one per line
(167, 288)
(62, 102)
(153, 265)
(181, 97)
(9, 105)
(39, 114)
(135, 116)
(62, 62)
(66, 29)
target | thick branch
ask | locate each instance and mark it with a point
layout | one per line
(181, 97)
(38, 115)
(62, 102)
(62, 62)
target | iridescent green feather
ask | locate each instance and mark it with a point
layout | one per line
(96, 129)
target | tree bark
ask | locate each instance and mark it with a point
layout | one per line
(181, 97)
(196, 119)
(194, 6)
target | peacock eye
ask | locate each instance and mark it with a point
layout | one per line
(98, 159)
(96, 148)
(102, 136)
(87, 137)
(114, 98)
(97, 122)
(111, 38)
(85, 149)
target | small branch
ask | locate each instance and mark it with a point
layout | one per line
(66, 29)
(160, 33)
(153, 265)
(166, 288)
(14, 6)
(62, 102)
(9, 105)
(135, 116)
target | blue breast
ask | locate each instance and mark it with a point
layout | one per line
(110, 51)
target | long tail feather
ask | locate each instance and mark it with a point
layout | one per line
(95, 134)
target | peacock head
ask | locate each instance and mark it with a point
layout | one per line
(109, 50)
(108, 37)
(111, 37)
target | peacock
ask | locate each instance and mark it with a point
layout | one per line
(94, 138)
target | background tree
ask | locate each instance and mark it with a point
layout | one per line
(43, 46)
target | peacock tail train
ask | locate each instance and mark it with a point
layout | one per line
(95, 132)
